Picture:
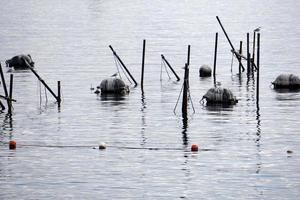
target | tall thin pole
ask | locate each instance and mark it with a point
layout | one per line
(143, 64)
(248, 55)
(123, 65)
(58, 93)
(4, 86)
(253, 52)
(240, 51)
(215, 55)
(188, 55)
(258, 67)
(10, 92)
(232, 47)
(185, 90)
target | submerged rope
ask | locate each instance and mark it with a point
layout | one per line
(112, 146)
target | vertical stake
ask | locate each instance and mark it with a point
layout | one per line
(248, 55)
(258, 67)
(253, 52)
(188, 55)
(185, 90)
(10, 92)
(215, 55)
(143, 64)
(240, 51)
(4, 85)
(58, 93)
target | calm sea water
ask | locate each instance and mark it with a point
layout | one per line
(243, 149)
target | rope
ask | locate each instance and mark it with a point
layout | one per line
(231, 62)
(190, 97)
(46, 94)
(123, 71)
(163, 63)
(167, 70)
(112, 146)
(116, 63)
(174, 110)
(40, 92)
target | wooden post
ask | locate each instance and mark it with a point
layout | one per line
(58, 93)
(168, 64)
(10, 92)
(232, 47)
(188, 55)
(4, 86)
(248, 55)
(258, 67)
(215, 55)
(253, 52)
(240, 52)
(185, 90)
(123, 65)
(143, 64)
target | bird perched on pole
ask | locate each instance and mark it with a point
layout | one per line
(257, 29)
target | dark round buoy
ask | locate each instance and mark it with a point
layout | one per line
(219, 95)
(18, 62)
(12, 144)
(114, 86)
(194, 147)
(287, 81)
(205, 71)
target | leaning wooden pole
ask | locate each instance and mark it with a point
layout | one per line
(232, 47)
(123, 65)
(4, 86)
(215, 55)
(185, 90)
(258, 67)
(10, 92)
(143, 64)
(168, 64)
(240, 52)
(41, 80)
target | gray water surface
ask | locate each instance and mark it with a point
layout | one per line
(243, 149)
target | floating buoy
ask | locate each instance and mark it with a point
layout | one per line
(205, 71)
(12, 144)
(287, 81)
(18, 61)
(194, 147)
(219, 95)
(102, 145)
(289, 151)
(114, 86)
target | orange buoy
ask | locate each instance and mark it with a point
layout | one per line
(194, 147)
(12, 144)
